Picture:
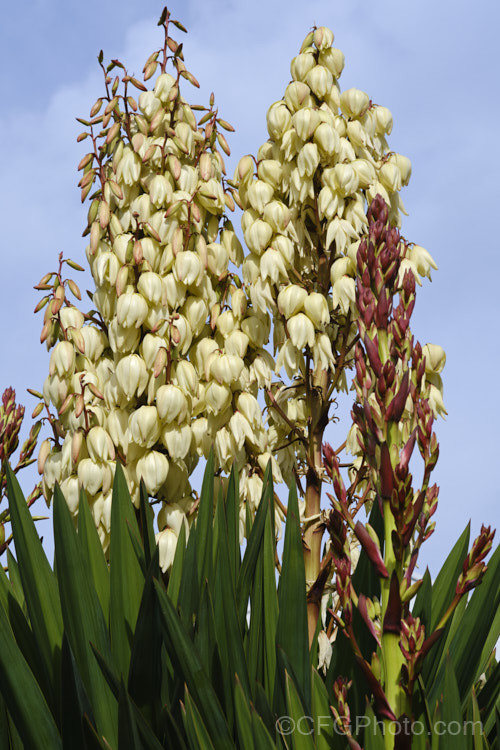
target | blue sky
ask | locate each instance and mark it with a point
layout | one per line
(434, 65)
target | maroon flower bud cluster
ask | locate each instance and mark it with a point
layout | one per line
(11, 419)
(474, 566)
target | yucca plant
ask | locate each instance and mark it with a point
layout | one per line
(215, 654)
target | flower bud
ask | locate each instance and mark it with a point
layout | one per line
(323, 37)
(153, 469)
(354, 103)
(43, 454)
(245, 170)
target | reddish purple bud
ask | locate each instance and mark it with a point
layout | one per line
(392, 619)
(386, 473)
(371, 549)
(373, 355)
(397, 405)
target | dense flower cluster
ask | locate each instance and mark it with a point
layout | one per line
(305, 199)
(170, 360)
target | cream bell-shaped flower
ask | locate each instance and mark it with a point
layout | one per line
(184, 375)
(70, 488)
(333, 59)
(129, 167)
(327, 139)
(272, 266)
(354, 103)
(320, 81)
(297, 95)
(217, 397)
(117, 427)
(290, 358)
(278, 119)
(344, 293)
(301, 65)
(62, 359)
(122, 339)
(322, 352)
(167, 543)
(153, 469)
(422, 260)
(187, 267)
(150, 287)
(316, 309)
(177, 440)
(100, 445)
(132, 375)
(160, 191)
(171, 403)
(144, 426)
(308, 160)
(435, 358)
(95, 342)
(258, 236)
(131, 310)
(291, 300)
(94, 475)
(249, 407)
(305, 121)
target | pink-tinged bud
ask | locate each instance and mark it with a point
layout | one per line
(323, 38)
(177, 440)
(245, 169)
(153, 469)
(386, 472)
(396, 406)
(132, 375)
(279, 119)
(43, 455)
(62, 359)
(76, 445)
(354, 103)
